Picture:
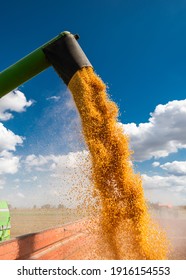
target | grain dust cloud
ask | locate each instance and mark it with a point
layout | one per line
(124, 226)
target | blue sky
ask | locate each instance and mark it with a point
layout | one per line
(138, 48)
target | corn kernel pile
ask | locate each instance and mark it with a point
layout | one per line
(126, 230)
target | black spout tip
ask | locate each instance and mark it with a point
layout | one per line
(66, 56)
(76, 36)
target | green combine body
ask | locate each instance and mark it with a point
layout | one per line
(4, 221)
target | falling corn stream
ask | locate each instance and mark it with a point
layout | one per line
(123, 224)
(126, 230)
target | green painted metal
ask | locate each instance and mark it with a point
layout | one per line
(25, 69)
(4, 221)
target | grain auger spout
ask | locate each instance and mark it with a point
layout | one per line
(62, 52)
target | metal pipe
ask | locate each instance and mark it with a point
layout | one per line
(26, 68)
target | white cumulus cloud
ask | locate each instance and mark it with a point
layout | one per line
(155, 164)
(56, 163)
(162, 135)
(175, 167)
(15, 101)
(36, 161)
(171, 182)
(168, 189)
(8, 140)
(9, 164)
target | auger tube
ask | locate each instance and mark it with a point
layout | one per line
(71, 60)
(25, 69)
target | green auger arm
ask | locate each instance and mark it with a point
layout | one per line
(62, 52)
